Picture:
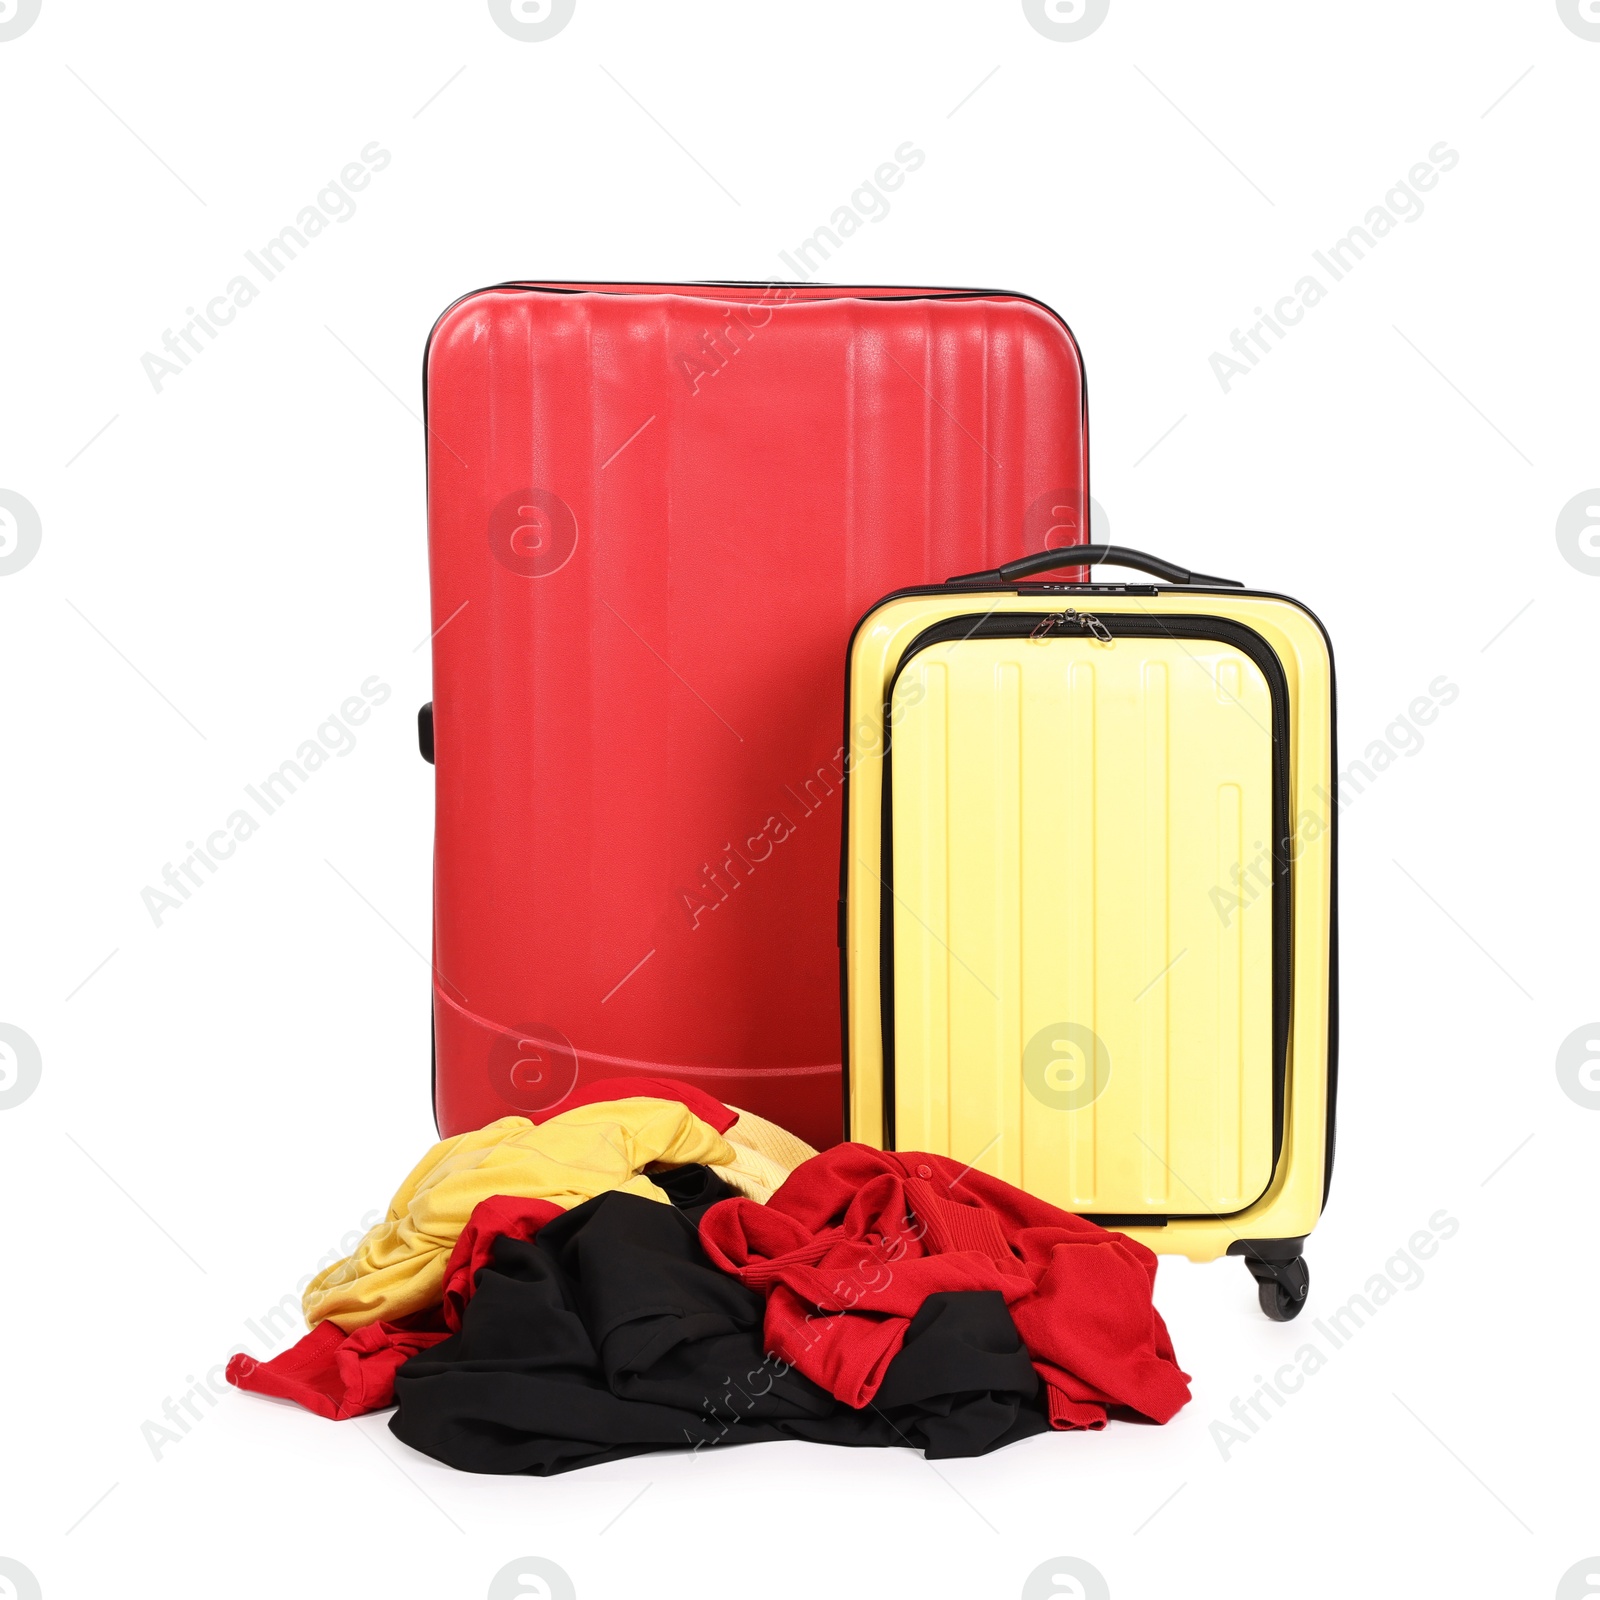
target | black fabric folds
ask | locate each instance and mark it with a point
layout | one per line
(692, 1189)
(610, 1335)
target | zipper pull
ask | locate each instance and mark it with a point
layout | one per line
(1081, 619)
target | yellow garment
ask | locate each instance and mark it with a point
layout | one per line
(766, 1155)
(399, 1266)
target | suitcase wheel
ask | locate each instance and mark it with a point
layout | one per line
(1281, 1286)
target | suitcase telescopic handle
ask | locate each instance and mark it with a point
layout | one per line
(1085, 555)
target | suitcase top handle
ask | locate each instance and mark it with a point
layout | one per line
(1084, 555)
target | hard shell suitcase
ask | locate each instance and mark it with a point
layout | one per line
(1089, 899)
(654, 512)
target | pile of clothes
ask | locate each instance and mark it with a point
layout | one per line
(649, 1269)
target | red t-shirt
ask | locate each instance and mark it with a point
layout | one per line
(856, 1239)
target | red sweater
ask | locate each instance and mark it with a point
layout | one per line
(342, 1375)
(856, 1239)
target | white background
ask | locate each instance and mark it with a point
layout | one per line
(228, 559)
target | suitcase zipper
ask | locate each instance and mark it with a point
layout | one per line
(1070, 618)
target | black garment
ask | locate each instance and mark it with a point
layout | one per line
(692, 1189)
(611, 1334)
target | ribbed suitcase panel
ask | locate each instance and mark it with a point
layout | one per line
(1062, 813)
(639, 759)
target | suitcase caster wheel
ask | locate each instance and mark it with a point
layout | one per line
(1281, 1286)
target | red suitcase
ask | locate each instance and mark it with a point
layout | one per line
(655, 513)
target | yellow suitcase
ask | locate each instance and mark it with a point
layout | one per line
(1088, 918)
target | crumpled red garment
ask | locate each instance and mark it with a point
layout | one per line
(337, 1374)
(856, 1239)
(515, 1217)
(341, 1375)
